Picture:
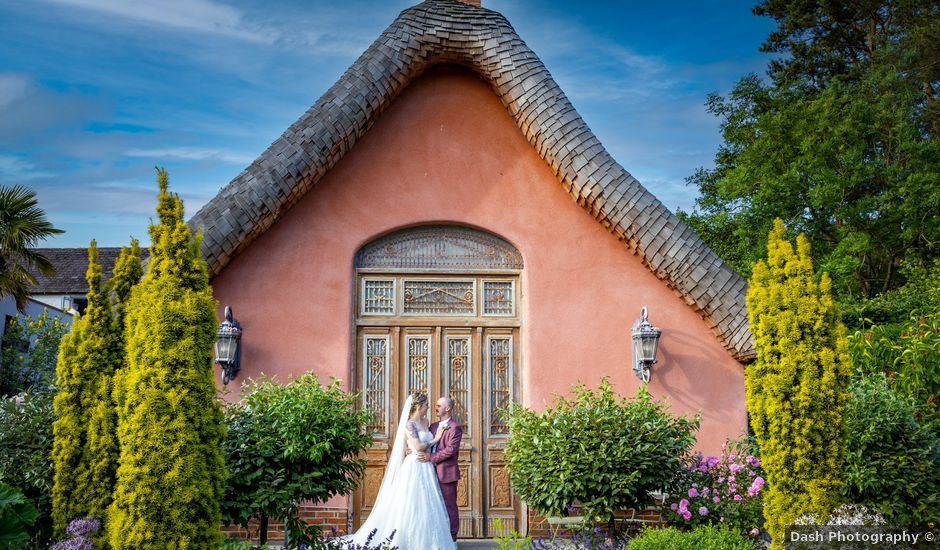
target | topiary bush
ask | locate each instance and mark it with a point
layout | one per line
(170, 475)
(883, 435)
(701, 538)
(597, 449)
(289, 443)
(796, 388)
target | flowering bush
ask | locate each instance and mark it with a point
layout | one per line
(847, 514)
(724, 489)
(81, 534)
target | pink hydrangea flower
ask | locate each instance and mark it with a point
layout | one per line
(737, 498)
(703, 511)
(693, 492)
(683, 504)
(687, 515)
(715, 499)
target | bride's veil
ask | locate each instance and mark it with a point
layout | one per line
(384, 500)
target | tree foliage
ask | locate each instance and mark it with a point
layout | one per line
(30, 349)
(289, 443)
(598, 449)
(796, 388)
(841, 144)
(23, 225)
(17, 514)
(170, 472)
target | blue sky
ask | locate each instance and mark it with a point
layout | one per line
(95, 93)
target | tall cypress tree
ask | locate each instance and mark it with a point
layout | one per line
(83, 449)
(796, 389)
(170, 473)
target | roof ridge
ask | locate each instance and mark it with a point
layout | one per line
(450, 31)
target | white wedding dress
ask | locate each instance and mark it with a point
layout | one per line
(409, 501)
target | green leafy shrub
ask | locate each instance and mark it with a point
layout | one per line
(170, 474)
(796, 389)
(26, 448)
(17, 514)
(30, 349)
(883, 435)
(701, 538)
(597, 449)
(288, 443)
(910, 356)
(725, 489)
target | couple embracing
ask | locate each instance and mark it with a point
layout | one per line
(418, 496)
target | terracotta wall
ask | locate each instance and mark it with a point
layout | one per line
(447, 151)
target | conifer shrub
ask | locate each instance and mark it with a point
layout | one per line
(88, 355)
(170, 472)
(796, 388)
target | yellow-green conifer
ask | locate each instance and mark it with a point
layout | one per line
(170, 472)
(796, 389)
(85, 447)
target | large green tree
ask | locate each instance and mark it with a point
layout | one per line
(23, 225)
(170, 472)
(841, 143)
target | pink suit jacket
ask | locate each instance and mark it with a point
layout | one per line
(445, 458)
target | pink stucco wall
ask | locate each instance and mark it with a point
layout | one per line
(447, 151)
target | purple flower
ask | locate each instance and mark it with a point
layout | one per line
(731, 479)
(712, 461)
(715, 499)
(703, 511)
(755, 531)
(721, 480)
(673, 506)
(693, 492)
(734, 468)
(737, 498)
(705, 492)
(687, 515)
(683, 504)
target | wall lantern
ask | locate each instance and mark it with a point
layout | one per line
(228, 346)
(645, 341)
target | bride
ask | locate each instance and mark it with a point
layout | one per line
(409, 501)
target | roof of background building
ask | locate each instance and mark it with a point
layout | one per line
(450, 31)
(71, 265)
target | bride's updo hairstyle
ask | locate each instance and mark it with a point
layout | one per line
(417, 400)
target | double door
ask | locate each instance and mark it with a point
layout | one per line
(474, 365)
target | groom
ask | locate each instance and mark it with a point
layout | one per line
(444, 456)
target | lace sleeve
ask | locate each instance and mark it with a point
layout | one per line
(412, 428)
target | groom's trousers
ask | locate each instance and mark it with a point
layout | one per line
(449, 492)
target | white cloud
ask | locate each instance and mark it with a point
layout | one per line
(12, 88)
(17, 170)
(205, 16)
(191, 153)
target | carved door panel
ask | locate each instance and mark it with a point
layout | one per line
(476, 367)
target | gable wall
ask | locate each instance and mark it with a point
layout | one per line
(447, 151)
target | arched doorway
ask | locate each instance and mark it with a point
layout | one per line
(438, 310)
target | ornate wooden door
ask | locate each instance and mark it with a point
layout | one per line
(445, 331)
(476, 367)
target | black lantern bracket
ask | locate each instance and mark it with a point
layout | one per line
(228, 346)
(645, 343)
